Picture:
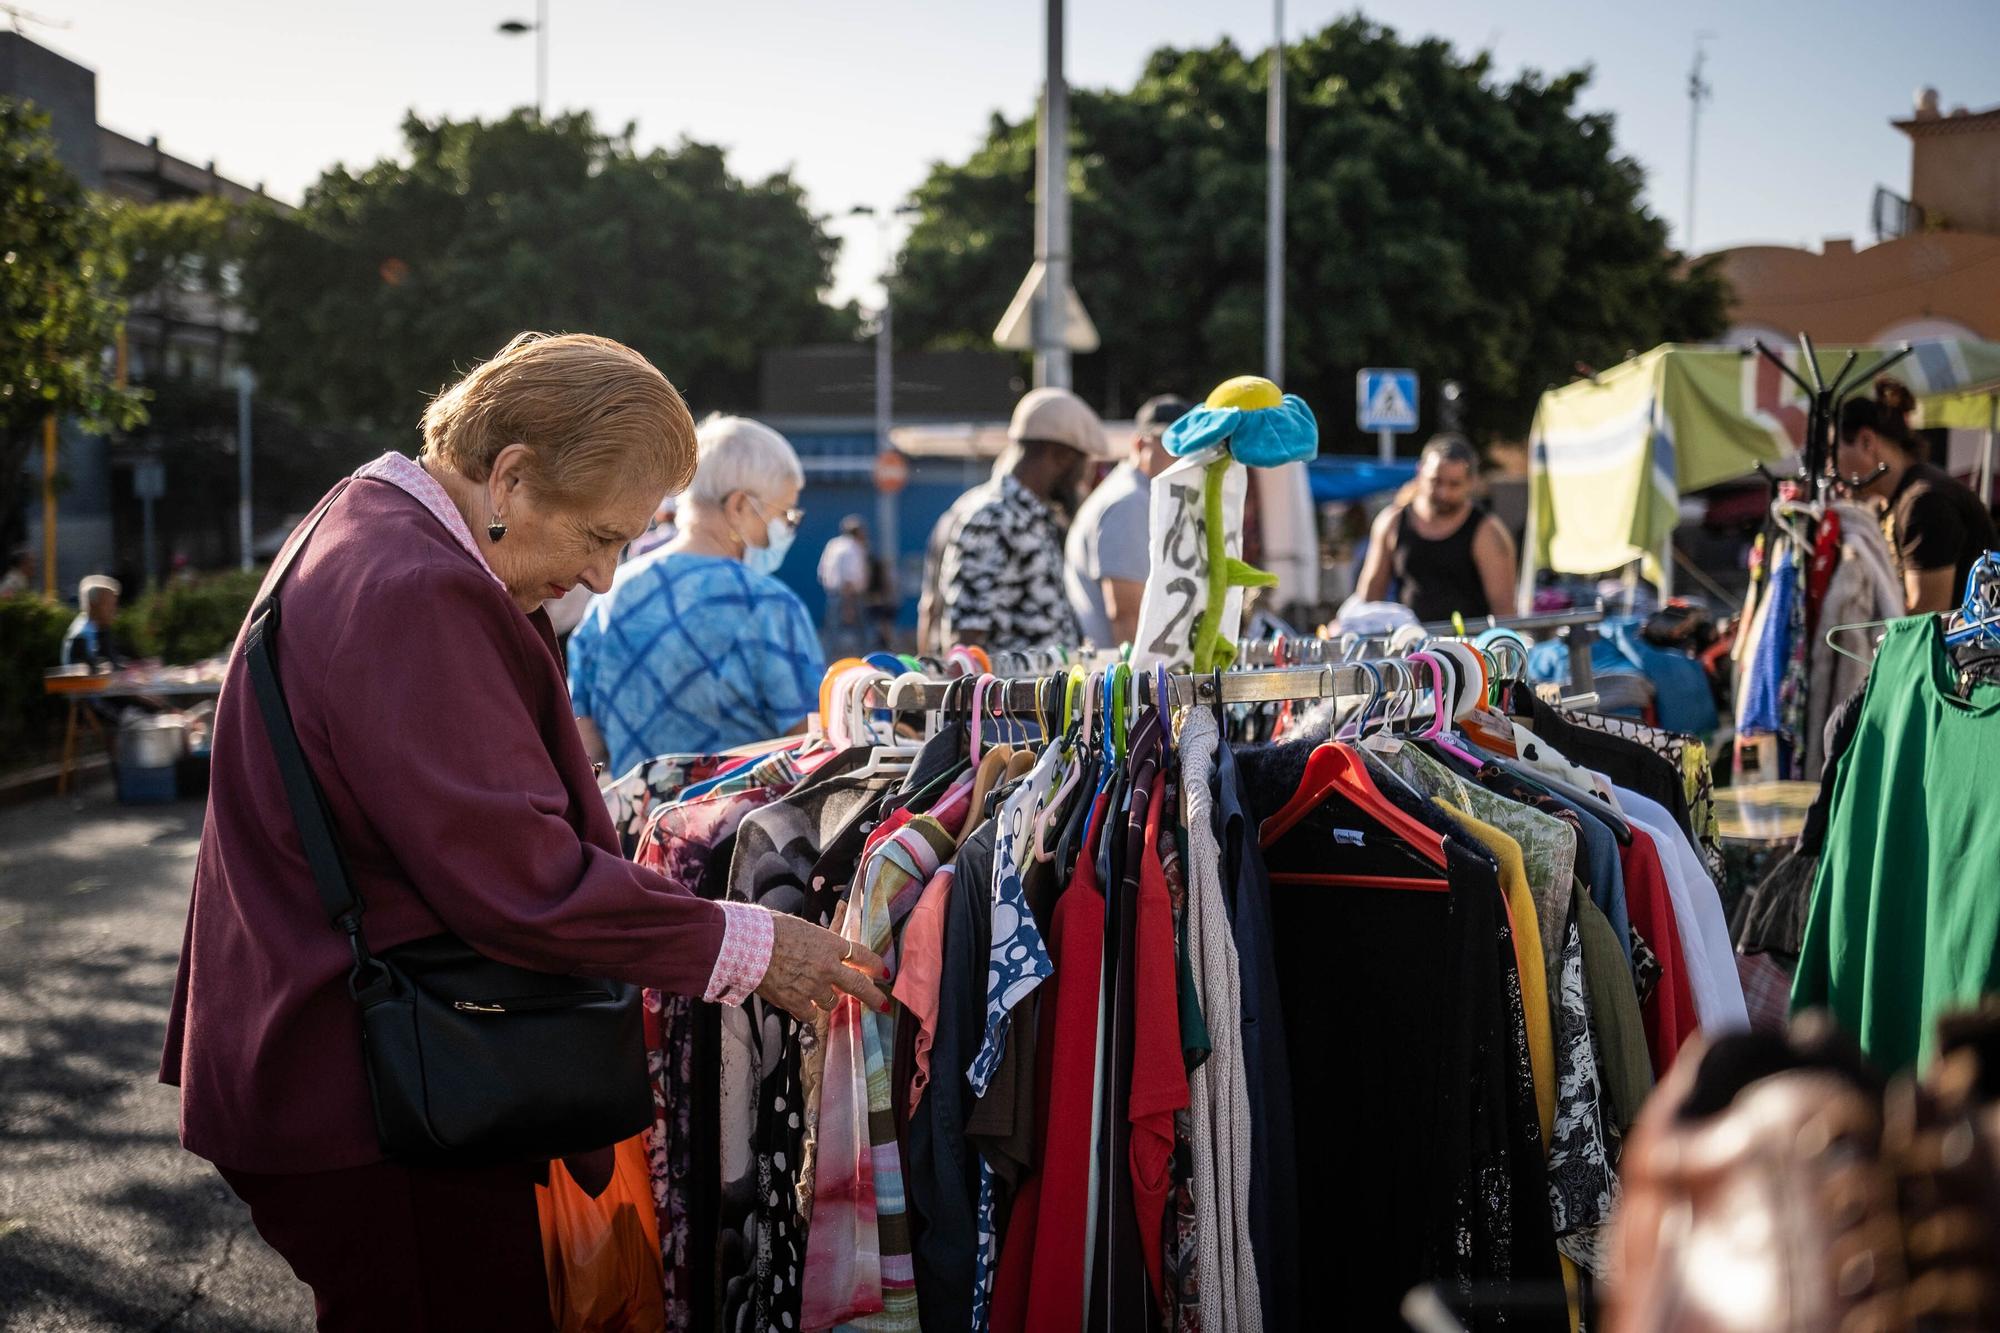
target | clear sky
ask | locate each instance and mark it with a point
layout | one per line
(858, 97)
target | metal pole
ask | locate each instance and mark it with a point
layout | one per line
(1987, 455)
(1274, 205)
(888, 540)
(541, 55)
(152, 545)
(244, 383)
(49, 505)
(1698, 92)
(1051, 349)
(1385, 445)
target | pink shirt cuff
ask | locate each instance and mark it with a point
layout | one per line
(745, 955)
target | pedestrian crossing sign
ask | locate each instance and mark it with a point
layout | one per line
(1386, 400)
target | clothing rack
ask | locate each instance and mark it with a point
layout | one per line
(1817, 455)
(1558, 624)
(1561, 625)
(1018, 698)
(1823, 400)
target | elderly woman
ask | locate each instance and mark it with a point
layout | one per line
(423, 681)
(697, 647)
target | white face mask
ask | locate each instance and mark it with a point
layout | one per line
(765, 559)
(778, 537)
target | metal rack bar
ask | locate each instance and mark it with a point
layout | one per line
(1560, 624)
(1267, 685)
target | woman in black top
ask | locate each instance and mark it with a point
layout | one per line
(1936, 526)
(1444, 552)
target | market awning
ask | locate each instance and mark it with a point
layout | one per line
(1338, 478)
(1611, 457)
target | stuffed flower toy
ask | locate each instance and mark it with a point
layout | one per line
(1260, 426)
(1255, 424)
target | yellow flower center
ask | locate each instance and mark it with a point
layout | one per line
(1248, 392)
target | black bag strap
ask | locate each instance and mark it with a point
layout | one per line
(329, 872)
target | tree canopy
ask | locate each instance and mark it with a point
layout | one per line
(59, 310)
(1437, 217)
(389, 280)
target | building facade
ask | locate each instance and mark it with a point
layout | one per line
(188, 333)
(1933, 273)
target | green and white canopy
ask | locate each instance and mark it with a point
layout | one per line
(1611, 457)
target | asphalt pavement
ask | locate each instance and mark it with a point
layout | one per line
(105, 1223)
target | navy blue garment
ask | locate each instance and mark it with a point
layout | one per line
(1601, 872)
(1121, 1295)
(1425, 1152)
(942, 1175)
(1274, 1204)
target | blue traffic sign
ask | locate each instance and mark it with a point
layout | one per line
(1386, 400)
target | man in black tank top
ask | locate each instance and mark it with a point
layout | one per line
(1441, 553)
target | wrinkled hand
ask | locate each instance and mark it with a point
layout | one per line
(811, 966)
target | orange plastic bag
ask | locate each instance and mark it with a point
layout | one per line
(603, 1254)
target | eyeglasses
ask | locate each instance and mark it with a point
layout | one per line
(793, 517)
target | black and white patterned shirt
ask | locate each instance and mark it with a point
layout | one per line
(1002, 574)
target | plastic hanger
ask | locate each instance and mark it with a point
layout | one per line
(1376, 687)
(980, 685)
(1444, 692)
(1979, 614)
(1338, 769)
(1118, 686)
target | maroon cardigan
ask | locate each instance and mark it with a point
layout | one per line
(435, 716)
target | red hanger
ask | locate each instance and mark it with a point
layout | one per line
(1298, 878)
(1336, 768)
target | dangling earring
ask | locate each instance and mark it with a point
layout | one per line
(496, 529)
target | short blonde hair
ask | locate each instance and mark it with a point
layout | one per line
(598, 417)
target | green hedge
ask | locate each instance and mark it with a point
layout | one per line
(31, 634)
(186, 622)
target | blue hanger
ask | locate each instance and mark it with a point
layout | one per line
(1979, 614)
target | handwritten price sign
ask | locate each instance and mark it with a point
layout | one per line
(1177, 586)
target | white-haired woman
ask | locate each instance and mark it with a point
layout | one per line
(697, 647)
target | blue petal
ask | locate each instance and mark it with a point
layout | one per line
(1270, 436)
(1198, 428)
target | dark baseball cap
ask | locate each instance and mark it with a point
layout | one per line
(1159, 412)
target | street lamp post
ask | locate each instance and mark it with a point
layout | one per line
(540, 27)
(1052, 366)
(888, 536)
(246, 383)
(1274, 204)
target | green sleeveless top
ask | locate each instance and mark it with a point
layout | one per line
(1905, 919)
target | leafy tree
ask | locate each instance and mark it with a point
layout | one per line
(387, 280)
(1474, 229)
(181, 259)
(58, 308)
(182, 264)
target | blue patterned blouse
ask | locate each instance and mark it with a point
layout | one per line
(692, 654)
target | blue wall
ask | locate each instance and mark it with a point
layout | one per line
(840, 481)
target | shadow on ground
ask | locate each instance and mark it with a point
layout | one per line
(105, 1223)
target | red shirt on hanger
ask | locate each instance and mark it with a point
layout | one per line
(1040, 1284)
(1159, 1070)
(1669, 1012)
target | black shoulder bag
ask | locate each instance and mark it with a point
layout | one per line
(469, 1060)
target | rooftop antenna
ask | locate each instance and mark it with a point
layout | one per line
(1698, 92)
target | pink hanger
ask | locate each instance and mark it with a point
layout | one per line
(980, 689)
(1444, 710)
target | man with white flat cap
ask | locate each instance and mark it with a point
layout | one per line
(1001, 581)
